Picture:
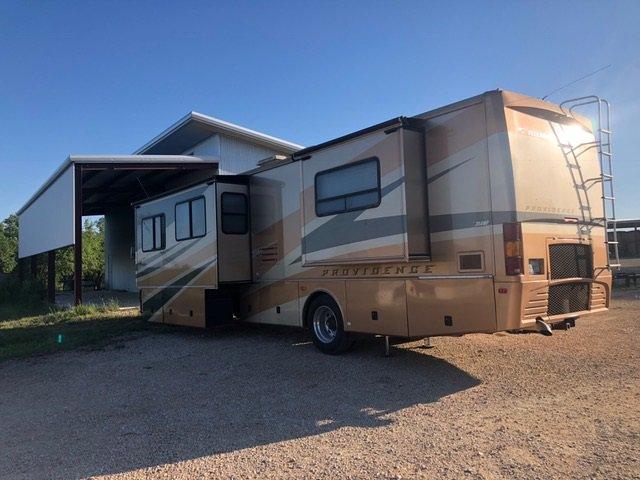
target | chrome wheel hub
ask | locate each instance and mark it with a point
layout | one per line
(325, 324)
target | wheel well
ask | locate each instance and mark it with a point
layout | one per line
(311, 298)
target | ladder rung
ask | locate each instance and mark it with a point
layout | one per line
(607, 176)
(608, 154)
(604, 130)
(612, 242)
(608, 198)
(616, 265)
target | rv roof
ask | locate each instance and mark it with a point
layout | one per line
(393, 123)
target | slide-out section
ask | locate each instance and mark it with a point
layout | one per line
(365, 199)
(176, 254)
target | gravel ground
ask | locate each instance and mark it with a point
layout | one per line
(262, 402)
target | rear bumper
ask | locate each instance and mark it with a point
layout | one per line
(553, 319)
(527, 301)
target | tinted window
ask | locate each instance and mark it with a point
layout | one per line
(348, 188)
(191, 221)
(183, 224)
(147, 234)
(234, 213)
(198, 221)
(153, 234)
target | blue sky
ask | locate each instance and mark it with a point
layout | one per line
(105, 77)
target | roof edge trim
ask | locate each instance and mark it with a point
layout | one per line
(223, 127)
(73, 159)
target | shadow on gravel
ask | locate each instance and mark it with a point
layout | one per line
(168, 398)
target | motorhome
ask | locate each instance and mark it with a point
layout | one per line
(482, 216)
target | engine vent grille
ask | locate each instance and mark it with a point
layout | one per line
(570, 260)
(568, 298)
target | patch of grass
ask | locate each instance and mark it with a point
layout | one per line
(65, 328)
(12, 311)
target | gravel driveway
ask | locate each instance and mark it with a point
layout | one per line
(262, 402)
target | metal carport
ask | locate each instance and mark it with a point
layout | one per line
(93, 185)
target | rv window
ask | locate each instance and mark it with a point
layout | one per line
(153, 237)
(234, 213)
(183, 228)
(198, 222)
(190, 219)
(352, 187)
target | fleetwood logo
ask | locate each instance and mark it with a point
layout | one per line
(534, 133)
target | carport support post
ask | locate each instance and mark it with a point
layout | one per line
(77, 257)
(51, 276)
(34, 266)
(21, 267)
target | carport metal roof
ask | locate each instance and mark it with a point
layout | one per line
(93, 185)
(196, 127)
(122, 163)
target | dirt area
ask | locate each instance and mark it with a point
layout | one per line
(262, 402)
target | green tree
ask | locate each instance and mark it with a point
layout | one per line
(9, 244)
(93, 249)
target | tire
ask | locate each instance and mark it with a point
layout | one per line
(326, 326)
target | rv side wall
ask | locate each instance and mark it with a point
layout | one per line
(367, 271)
(276, 246)
(457, 295)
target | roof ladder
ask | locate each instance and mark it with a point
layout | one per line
(605, 156)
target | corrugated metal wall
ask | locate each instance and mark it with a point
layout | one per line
(236, 156)
(120, 269)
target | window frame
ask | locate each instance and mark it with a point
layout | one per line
(163, 235)
(245, 214)
(378, 189)
(175, 218)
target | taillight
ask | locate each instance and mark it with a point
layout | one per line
(512, 234)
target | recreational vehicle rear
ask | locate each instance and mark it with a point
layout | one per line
(482, 216)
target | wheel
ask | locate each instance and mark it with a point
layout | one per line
(326, 326)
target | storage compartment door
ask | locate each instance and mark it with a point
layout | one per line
(377, 306)
(450, 306)
(234, 245)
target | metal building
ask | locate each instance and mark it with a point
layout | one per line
(195, 147)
